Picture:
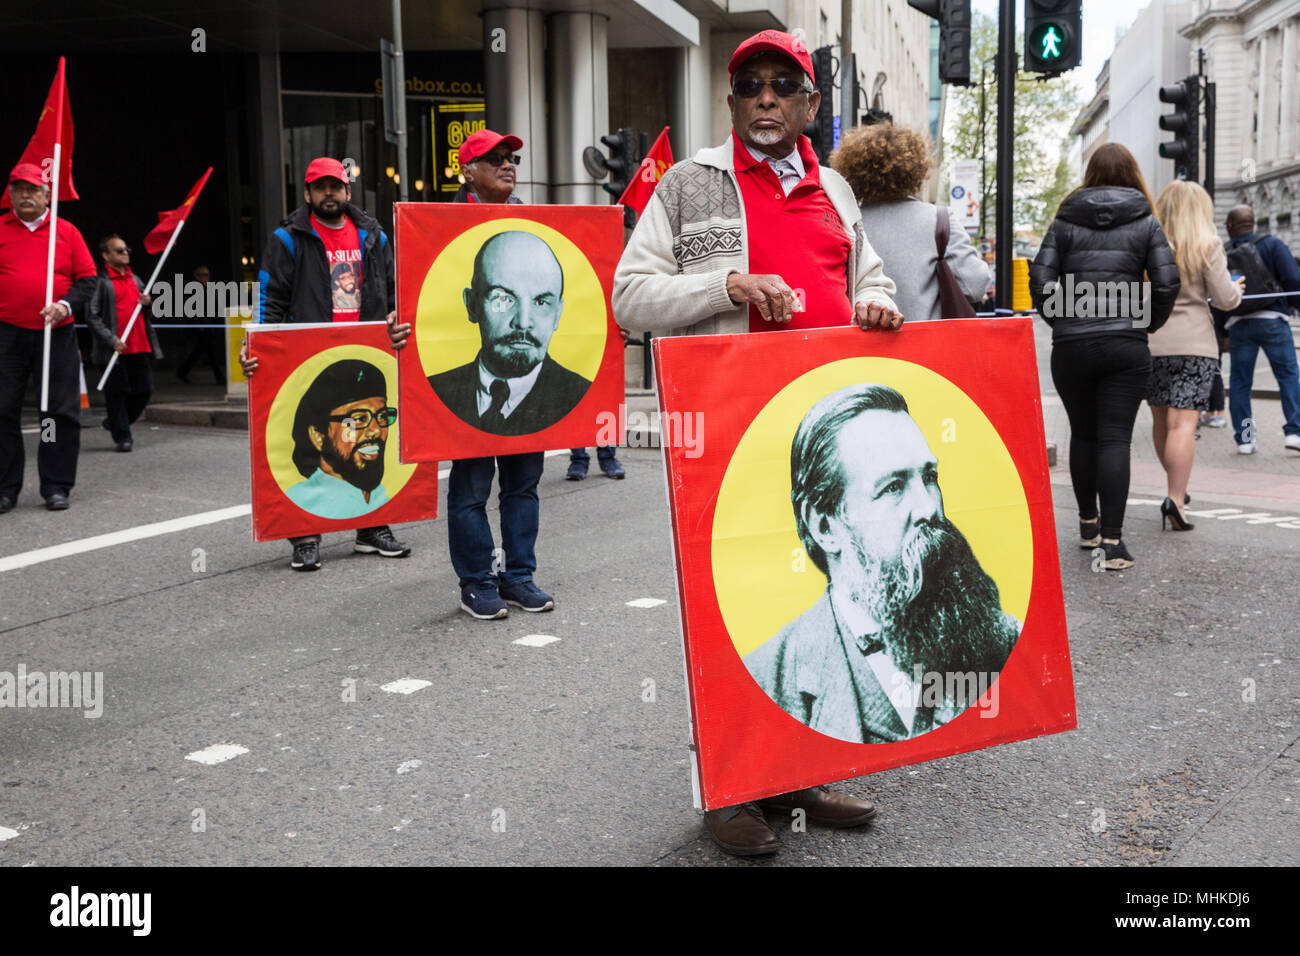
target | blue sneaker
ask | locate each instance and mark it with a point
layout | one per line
(482, 603)
(612, 468)
(527, 595)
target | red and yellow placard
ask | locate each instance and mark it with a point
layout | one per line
(794, 684)
(515, 295)
(323, 458)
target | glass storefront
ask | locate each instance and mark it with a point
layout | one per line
(333, 106)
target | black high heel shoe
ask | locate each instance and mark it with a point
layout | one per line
(1169, 514)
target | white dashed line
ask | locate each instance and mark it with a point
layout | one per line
(217, 753)
(646, 602)
(409, 765)
(7, 834)
(536, 640)
(407, 685)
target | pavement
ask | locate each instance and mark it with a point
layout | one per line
(520, 750)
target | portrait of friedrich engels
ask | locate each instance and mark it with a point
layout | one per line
(906, 601)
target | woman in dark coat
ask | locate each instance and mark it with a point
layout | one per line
(1089, 283)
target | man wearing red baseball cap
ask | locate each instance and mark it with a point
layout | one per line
(24, 314)
(329, 261)
(487, 165)
(754, 235)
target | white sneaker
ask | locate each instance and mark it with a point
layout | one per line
(1246, 448)
(1293, 442)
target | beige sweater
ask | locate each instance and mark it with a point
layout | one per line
(1190, 329)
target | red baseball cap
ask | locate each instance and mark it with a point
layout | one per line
(773, 41)
(483, 142)
(324, 166)
(28, 173)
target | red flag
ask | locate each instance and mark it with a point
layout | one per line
(156, 241)
(55, 125)
(653, 167)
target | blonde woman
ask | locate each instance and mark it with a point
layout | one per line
(1185, 350)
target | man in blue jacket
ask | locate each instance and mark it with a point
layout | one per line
(1266, 326)
(318, 243)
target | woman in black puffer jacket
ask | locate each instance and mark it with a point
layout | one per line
(1088, 284)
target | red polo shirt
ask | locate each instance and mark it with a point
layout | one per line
(127, 294)
(23, 257)
(799, 237)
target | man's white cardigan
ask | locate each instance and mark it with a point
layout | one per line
(672, 278)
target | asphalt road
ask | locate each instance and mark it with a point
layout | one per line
(1185, 674)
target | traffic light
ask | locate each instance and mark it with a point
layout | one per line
(1053, 35)
(1185, 123)
(954, 37)
(822, 129)
(623, 160)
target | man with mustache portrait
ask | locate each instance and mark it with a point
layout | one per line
(906, 599)
(516, 297)
(339, 434)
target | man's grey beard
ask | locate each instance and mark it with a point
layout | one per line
(936, 606)
(766, 137)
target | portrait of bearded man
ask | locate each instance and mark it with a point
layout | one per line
(907, 601)
(340, 431)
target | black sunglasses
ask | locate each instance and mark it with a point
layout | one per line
(785, 87)
(496, 159)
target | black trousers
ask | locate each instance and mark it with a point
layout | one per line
(60, 437)
(127, 392)
(206, 348)
(1102, 380)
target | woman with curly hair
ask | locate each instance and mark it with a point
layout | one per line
(1185, 351)
(886, 165)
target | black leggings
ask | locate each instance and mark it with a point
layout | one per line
(1102, 380)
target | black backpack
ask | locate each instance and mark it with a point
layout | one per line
(1245, 260)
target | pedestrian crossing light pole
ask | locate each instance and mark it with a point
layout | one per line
(1053, 30)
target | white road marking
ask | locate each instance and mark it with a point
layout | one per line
(409, 765)
(54, 552)
(646, 602)
(7, 834)
(407, 685)
(1290, 521)
(217, 753)
(536, 640)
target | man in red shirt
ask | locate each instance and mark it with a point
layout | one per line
(740, 238)
(329, 261)
(130, 385)
(24, 251)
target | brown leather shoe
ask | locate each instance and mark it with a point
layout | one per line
(825, 806)
(745, 833)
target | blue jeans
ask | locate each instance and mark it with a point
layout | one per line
(603, 453)
(469, 535)
(1245, 339)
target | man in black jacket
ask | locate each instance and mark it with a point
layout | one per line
(130, 384)
(320, 239)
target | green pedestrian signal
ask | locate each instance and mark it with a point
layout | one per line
(1049, 43)
(1053, 29)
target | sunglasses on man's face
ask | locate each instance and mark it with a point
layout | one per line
(121, 251)
(496, 159)
(747, 87)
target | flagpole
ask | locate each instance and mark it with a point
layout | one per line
(56, 170)
(136, 314)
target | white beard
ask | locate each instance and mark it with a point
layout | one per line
(766, 137)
